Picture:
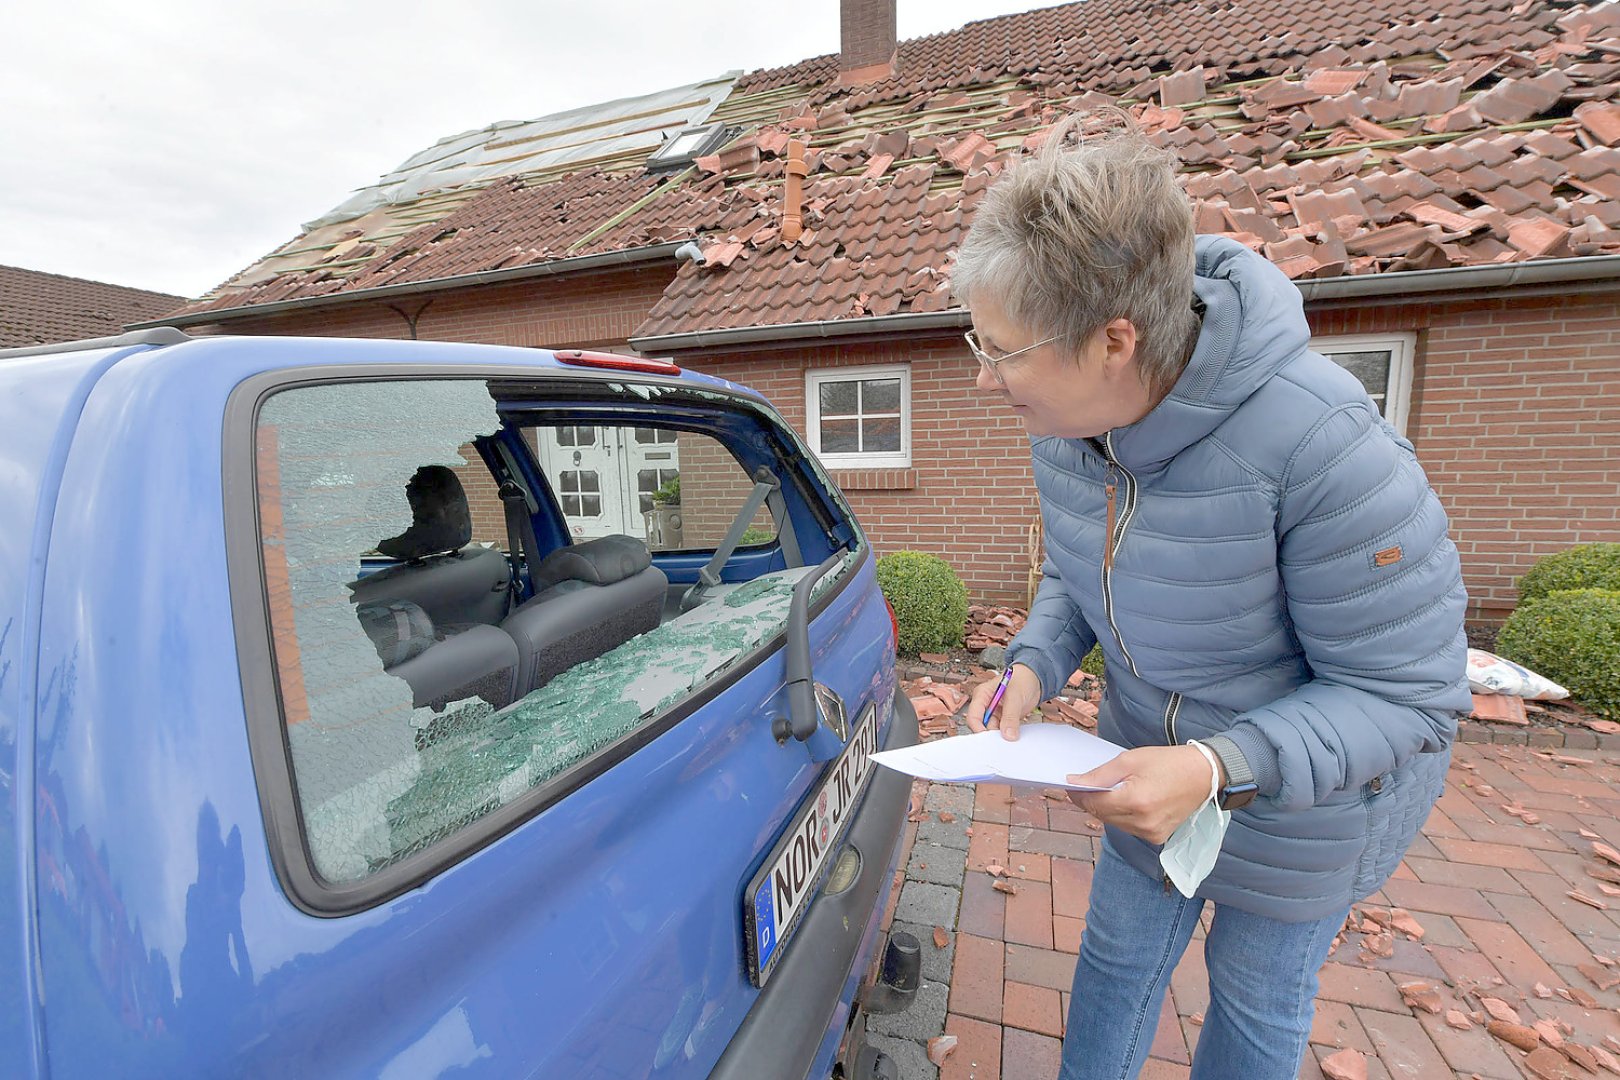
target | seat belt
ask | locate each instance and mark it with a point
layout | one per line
(520, 535)
(765, 483)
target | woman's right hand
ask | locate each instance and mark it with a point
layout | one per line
(1023, 694)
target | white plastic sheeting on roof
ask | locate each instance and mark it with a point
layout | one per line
(520, 146)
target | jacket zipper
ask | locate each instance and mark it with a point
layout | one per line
(1116, 536)
(1172, 709)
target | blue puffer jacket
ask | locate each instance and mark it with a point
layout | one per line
(1281, 574)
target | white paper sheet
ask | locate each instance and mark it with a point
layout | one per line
(1043, 755)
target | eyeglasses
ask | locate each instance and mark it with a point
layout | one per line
(992, 364)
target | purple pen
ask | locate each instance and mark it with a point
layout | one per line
(995, 699)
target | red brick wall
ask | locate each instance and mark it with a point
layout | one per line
(579, 310)
(1516, 418)
(713, 488)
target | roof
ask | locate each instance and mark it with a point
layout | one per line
(37, 308)
(1337, 139)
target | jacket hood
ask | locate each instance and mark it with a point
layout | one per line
(1254, 323)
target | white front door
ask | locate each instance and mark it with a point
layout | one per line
(651, 460)
(585, 472)
(605, 476)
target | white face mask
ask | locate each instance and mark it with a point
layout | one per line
(1190, 853)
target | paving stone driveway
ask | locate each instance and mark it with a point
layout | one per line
(1486, 890)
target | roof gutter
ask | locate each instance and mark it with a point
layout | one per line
(1594, 271)
(1598, 271)
(801, 331)
(605, 260)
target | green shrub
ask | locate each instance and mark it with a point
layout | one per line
(669, 493)
(1586, 566)
(929, 600)
(1092, 664)
(1573, 638)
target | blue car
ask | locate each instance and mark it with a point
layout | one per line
(412, 709)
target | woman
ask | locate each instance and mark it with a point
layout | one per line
(1266, 569)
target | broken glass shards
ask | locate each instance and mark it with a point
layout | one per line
(588, 707)
(333, 465)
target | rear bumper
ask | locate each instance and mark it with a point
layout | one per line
(787, 1026)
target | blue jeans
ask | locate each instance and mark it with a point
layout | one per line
(1262, 981)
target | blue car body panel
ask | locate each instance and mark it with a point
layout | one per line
(600, 938)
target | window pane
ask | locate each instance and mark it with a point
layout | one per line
(1372, 368)
(880, 395)
(840, 398)
(840, 436)
(338, 476)
(881, 435)
(565, 436)
(684, 144)
(585, 436)
(386, 761)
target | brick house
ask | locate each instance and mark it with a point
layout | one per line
(37, 308)
(1441, 178)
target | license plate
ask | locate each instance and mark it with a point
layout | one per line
(782, 890)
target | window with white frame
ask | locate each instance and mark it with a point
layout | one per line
(860, 417)
(1383, 363)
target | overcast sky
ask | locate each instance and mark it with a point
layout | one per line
(169, 144)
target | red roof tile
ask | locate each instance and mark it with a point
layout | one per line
(41, 309)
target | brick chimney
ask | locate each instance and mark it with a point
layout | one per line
(866, 41)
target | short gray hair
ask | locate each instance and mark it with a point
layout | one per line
(1079, 235)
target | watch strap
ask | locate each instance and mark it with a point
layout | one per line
(1240, 787)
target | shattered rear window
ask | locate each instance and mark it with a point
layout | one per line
(401, 677)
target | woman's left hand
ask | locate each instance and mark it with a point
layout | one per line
(1159, 788)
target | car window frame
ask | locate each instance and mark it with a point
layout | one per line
(268, 745)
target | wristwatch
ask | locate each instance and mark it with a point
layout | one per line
(1240, 788)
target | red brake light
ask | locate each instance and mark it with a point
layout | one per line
(615, 362)
(894, 625)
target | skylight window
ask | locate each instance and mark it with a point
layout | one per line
(687, 146)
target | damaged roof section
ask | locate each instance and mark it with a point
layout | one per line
(418, 202)
(1390, 137)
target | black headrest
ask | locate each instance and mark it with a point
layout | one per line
(600, 562)
(440, 519)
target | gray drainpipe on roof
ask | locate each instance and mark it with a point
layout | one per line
(799, 331)
(1598, 271)
(1584, 274)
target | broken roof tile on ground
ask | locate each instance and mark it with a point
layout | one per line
(1384, 137)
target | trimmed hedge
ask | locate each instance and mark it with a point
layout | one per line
(1586, 566)
(1573, 638)
(1092, 663)
(930, 602)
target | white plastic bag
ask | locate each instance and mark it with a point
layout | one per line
(1490, 674)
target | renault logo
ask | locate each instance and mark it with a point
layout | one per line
(830, 710)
